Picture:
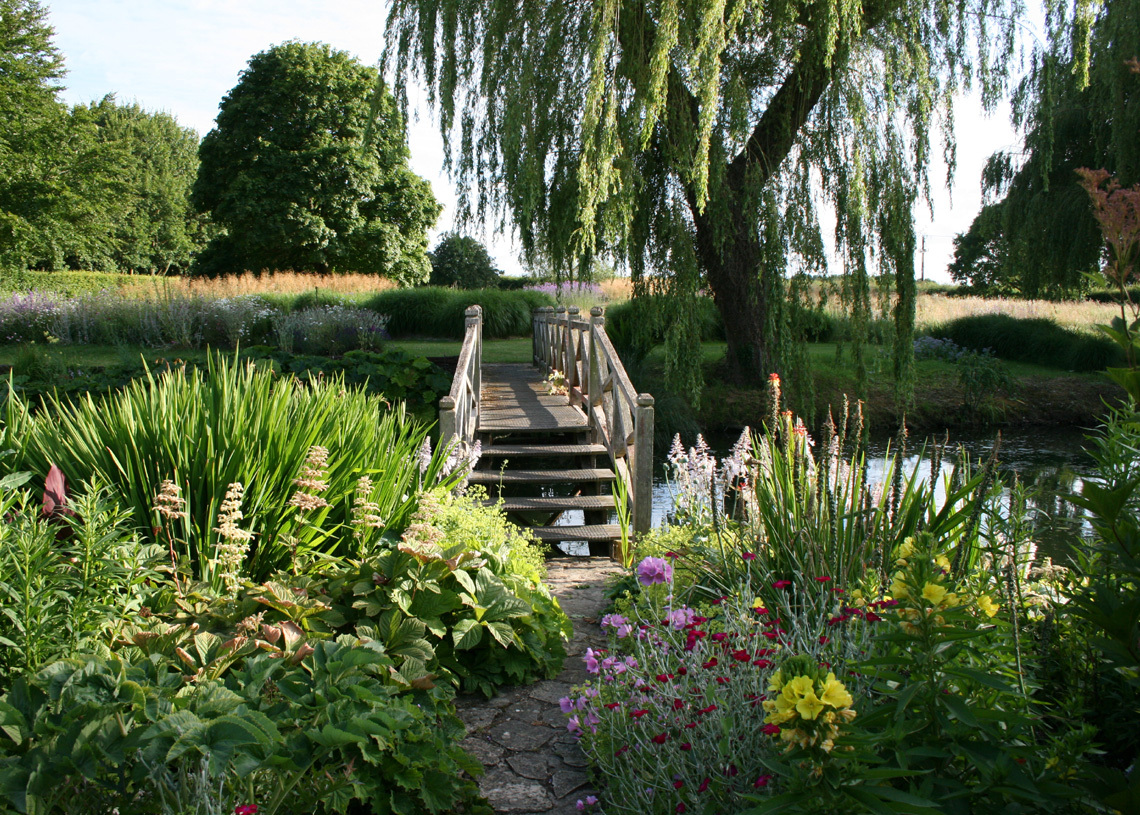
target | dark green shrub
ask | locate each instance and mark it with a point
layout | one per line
(462, 262)
(437, 312)
(71, 284)
(637, 325)
(1039, 340)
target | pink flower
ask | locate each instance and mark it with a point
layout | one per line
(749, 556)
(245, 809)
(782, 584)
(762, 781)
(653, 570)
(591, 660)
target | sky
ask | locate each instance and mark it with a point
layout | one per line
(183, 56)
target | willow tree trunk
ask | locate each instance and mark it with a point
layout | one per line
(730, 255)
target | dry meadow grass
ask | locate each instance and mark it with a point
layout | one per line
(933, 309)
(281, 283)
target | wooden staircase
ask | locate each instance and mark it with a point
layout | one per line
(544, 454)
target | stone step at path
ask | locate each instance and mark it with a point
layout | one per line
(533, 765)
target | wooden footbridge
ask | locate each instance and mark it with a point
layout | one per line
(565, 436)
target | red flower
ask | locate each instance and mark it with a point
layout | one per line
(762, 781)
(770, 730)
(704, 785)
(678, 784)
(872, 617)
(782, 584)
(763, 663)
(686, 746)
(663, 678)
(823, 580)
(712, 663)
(682, 671)
(749, 556)
(672, 555)
(690, 725)
(612, 705)
(660, 738)
(245, 809)
(681, 807)
(719, 637)
(618, 752)
(774, 378)
(708, 709)
(823, 640)
(770, 634)
(678, 704)
(731, 771)
(765, 652)
(637, 714)
(760, 610)
(722, 680)
(740, 656)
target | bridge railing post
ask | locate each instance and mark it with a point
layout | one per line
(573, 336)
(643, 464)
(562, 332)
(473, 318)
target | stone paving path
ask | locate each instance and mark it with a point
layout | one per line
(533, 764)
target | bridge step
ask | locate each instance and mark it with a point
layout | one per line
(554, 504)
(551, 450)
(595, 532)
(539, 476)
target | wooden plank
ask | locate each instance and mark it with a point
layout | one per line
(595, 532)
(552, 450)
(553, 504)
(539, 476)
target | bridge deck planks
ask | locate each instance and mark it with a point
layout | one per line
(514, 398)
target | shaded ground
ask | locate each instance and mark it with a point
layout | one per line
(533, 764)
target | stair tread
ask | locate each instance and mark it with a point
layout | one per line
(503, 450)
(514, 504)
(592, 532)
(539, 476)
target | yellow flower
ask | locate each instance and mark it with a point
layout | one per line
(942, 562)
(987, 605)
(907, 548)
(857, 597)
(951, 600)
(834, 693)
(799, 687)
(934, 593)
(776, 682)
(810, 706)
(899, 590)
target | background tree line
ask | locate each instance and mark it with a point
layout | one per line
(307, 169)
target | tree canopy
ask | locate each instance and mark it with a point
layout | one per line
(1038, 236)
(461, 261)
(693, 140)
(307, 170)
(98, 186)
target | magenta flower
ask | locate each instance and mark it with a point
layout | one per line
(591, 660)
(654, 570)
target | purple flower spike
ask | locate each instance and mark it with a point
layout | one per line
(654, 570)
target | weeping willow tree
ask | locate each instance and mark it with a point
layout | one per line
(1078, 106)
(695, 140)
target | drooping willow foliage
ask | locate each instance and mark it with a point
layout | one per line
(1078, 106)
(696, 139)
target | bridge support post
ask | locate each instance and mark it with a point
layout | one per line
(643, 464)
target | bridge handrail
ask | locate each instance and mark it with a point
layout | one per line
(620, 417)
(459, 410)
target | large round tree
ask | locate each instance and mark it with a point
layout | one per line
(307, 170)
(695, 139)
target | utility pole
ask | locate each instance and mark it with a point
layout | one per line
(922, 275)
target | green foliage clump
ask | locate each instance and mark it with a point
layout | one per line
(463, 594)
(307, 170)
(437, 312)
(462, 262)
(65, 283)
(1039, 340)
(236, 424)
(69, 581)
(94, 734)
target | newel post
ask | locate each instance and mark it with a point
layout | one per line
(643, 464)
(594, 383)
(446, 420)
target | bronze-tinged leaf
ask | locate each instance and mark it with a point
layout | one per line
(423, 682)
(55, 492)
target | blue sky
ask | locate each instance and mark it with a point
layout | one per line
(182, 56)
